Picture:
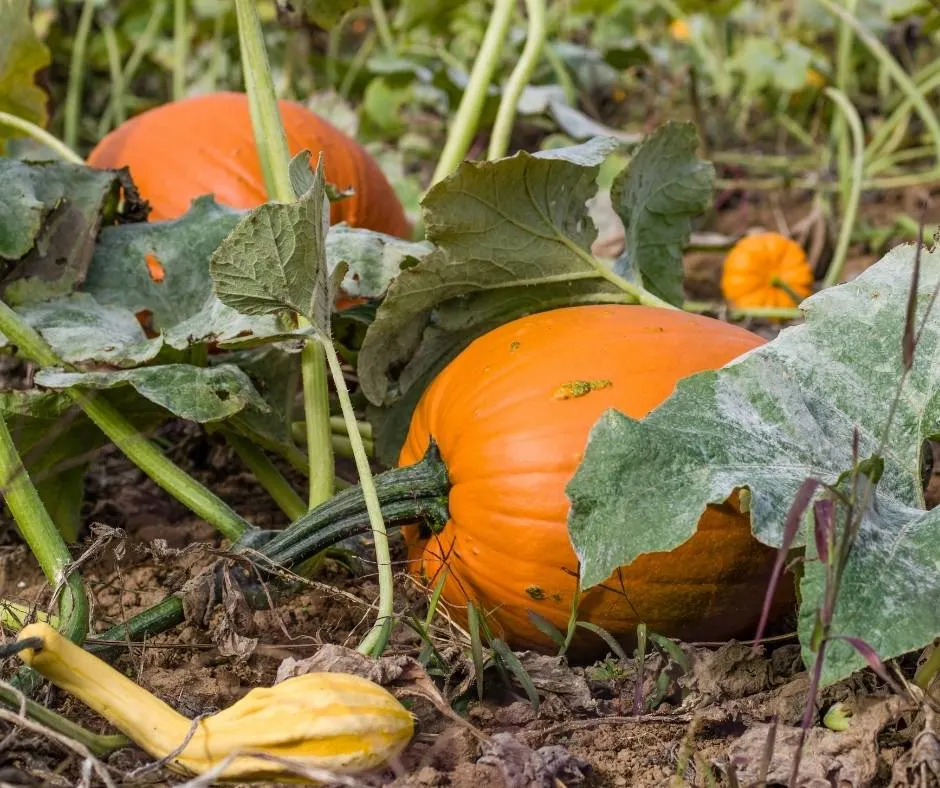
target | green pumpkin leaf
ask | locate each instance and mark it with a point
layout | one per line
(22, 55)
(656, 196)
(779, 414)
(513, 238)
(275, 258)
(193, 393)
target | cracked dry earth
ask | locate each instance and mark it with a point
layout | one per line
(703, 724)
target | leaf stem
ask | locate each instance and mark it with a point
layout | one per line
(73, 98)
(180, 49)
(42, 136)
(274, 155)
(270, 138)
(374, 641)
(851, 201)
(267, 474)
(736, 313)
(43, 538)
(521, 74)
(317, 423)
(114, 66)
(381, 24)
(465, 122)
(142, 452)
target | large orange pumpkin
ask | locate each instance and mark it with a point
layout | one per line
(511, 416)
(205, 145)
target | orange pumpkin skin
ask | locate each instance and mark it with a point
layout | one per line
(511, 446)
(755, 261)
(205, 145)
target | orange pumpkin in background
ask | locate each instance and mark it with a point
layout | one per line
(205, 145)
(511, 417)
(758, 265)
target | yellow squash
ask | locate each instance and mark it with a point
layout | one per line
(329, 721)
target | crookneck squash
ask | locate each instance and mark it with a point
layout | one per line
(492, 445)
(335, 722)
(205, 145)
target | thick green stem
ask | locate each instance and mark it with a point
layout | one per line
(769, 312)
(142, 452)
(411, 495)
(850, 204)
(180, 49)
(521, 74)
(274, 154)
(317, 423)
(267, 474)
(43, 538)
(41, 136)
(99, 745)
(73, 98)
(374, 641)
(843, 73)
(270, 138)
(464, 124)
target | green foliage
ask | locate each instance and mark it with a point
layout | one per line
(769, 420)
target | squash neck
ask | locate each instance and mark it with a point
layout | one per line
(415, 494)
(152, 724)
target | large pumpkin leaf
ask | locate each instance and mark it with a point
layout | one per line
(193, 393)
(22, 54)
(514, 237)
(374, 260)
(781, 413)
(656, 196)
(50, 214)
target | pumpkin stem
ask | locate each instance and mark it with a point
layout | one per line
(415, 493)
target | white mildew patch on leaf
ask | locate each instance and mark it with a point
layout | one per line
(200, 394)
(767, 421)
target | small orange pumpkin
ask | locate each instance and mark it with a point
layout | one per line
(766, 270)
(205, 145)
(510, 443)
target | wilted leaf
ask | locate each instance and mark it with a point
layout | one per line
(781, 413)
(656, 196)
(22, 55)
(192, 393)
(50, 214)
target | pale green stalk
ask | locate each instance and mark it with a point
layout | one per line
(882, 135)
(850, 205)
(180, 49)
(316, 427)
(466, 120)
(843, 72)
(374, 641)
(766, 312)
(41, 136)
(141, 48)
(267, 474)
(274, 154)
(381, 24)
(114, 66)
(521, 74)
(73, 98)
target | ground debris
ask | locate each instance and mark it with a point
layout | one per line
(847, 759)
(523, 767)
